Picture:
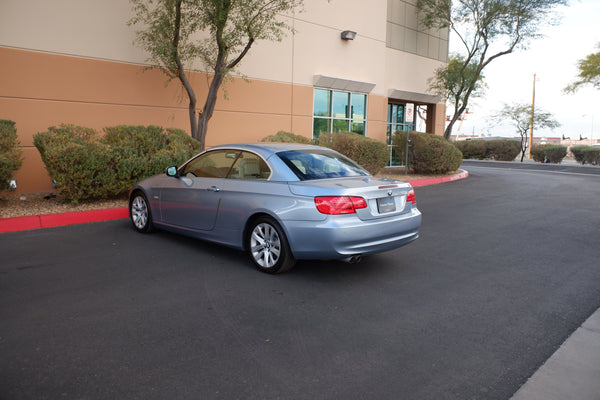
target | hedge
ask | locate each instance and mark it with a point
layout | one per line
(586, 154)
(86, 165)
(10, 153)
(472, 149)
(370, 153)
(428, 153)
(548, 153)
(287, 137)
(499, 150)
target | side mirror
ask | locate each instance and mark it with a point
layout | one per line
(171, 171)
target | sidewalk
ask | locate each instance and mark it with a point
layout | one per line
(573, 371)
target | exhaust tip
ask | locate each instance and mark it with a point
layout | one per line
(355, 259)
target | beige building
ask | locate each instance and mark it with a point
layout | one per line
(73, 61)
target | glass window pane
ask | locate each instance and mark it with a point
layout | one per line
(359, 102)
(320, 125)
(358, 127)
(322, 102)
(319, 164)
(399, 114)
(340, 125)
(340, 104)
(249, 166)
(212, 164)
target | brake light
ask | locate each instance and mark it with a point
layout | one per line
(336, 205)
(410, 197)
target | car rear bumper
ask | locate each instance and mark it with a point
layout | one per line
(345, 235)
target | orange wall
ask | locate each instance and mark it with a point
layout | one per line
(38, 90)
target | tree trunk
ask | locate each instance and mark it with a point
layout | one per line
(209, 108)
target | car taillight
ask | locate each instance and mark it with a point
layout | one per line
(410, 197)
(336, 205)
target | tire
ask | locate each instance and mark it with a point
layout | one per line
(268, 247)
(140, 213)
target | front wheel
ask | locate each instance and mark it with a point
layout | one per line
(268, 247)
(139, 213)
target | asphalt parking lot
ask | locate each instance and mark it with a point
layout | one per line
(504, 271)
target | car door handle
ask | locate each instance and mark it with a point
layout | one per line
(214, 189)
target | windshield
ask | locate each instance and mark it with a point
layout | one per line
(320, 164)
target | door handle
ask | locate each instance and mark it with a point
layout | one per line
(214, 189)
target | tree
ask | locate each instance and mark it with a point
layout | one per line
(449, 82)
(218, 33)
(486, 29)
(520, 116)
(589, 73)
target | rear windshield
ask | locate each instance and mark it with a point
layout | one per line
(320, 164)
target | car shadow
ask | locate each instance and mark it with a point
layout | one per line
(374, 266)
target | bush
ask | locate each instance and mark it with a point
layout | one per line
(548, 153)
(586, 154)
(538, 154)
(371, 154)
(286, 137)
(10, 153)
(503, 150)
(84, 164)
(499, 150)
(428, 153)
(472, 149)
(555, 153)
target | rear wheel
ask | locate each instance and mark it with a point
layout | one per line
(268, 247)
(139, 213)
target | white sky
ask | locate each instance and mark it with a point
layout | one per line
(554, 59)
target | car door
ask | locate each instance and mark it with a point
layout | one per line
(192, 199)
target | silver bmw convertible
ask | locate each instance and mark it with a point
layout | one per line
(280, 203)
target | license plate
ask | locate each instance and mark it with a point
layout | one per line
(386, 205)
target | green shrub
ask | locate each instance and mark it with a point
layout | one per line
(550, 153)
(371, 154)
(10, 153)
(586, 154)
(538, 153)
(499, 150)
(503, 150)
(286, 137)
(84, 164)
(578, 153)
(472, 149)
(555, 153)
(428, 153)
(592, 156)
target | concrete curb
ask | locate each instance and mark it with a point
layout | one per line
(81, 217)
(573, 371)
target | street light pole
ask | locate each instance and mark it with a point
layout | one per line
(532, 115)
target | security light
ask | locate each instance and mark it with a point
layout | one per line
(348, 35)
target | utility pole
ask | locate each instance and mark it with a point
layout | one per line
(532, 115)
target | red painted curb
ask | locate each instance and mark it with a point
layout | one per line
(20, 223)
(433, 181)
(51, 220)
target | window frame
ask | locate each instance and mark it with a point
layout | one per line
(349, 119)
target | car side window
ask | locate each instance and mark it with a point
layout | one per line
(212, 164)
(250, 166)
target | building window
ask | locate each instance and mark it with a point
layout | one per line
(338, 111)
(401, 117)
